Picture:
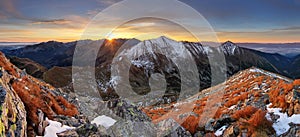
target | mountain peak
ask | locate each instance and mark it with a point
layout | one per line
(229, 48)
(164, 38)
(50, 42)
(229, 42)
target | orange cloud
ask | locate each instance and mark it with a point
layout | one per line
(56, 22)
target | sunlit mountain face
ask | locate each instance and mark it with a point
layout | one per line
(149, 68)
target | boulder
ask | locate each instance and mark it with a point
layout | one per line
(297, 108)
(226, 120)
(209, 125)
(296, 95)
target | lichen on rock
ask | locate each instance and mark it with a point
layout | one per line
(13, 114)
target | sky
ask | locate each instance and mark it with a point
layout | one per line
(255, 21)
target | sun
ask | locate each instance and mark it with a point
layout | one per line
(110, 37)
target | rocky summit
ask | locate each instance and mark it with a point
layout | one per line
(253, 103)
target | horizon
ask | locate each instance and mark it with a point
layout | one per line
(291, 49)
(37, 42)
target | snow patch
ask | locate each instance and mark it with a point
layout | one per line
(281, 125)
(207, 49)
(232, 107)
(104, 121)
(113, 81)
(256, 87)
(268, 73)
(55, 127)
(178, 104)
(26, 88)
(142, 63)
(220, 131)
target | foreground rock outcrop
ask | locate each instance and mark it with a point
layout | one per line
(13, 114)
(26, 102)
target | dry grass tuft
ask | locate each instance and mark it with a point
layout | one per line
(35, 98)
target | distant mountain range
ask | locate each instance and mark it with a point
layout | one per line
(16, 43)
(286, 49)
(60, 55)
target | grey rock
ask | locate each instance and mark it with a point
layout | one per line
(209, 125)
(199, 134)
(72, 121)
(85, 130)
(296, 95)
(225, 120)
(68, 133)
(132, 128)
(127, 111)
(170, 128)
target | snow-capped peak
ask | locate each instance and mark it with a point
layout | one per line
(229, 48)
(195, 48)
(165, 38)
(162, 43)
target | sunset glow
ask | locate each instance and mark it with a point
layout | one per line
(110, 37)
(22, 22)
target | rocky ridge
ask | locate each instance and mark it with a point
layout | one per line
(254, 103)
